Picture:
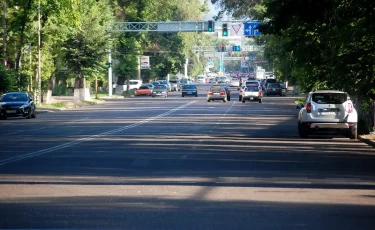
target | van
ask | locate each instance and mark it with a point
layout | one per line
(201, 79)
(133, 84)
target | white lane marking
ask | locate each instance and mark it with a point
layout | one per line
(225, 114)
(72, 143)
(22, 131)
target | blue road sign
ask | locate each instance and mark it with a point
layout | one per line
(252, 58)
(251, 29)
(236, 48)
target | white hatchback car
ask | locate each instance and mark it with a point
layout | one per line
(327, 110)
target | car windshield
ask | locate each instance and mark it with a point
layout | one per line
(13, 97)
(160, 86)
(184, 81)
(329, 98)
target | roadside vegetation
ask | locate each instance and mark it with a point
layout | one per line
(319, 45)
(75, 43)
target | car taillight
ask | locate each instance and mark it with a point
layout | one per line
(210, 93)
(308, 108)
(222, 93)
(349, 108)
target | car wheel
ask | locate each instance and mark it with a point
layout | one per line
(243, 101)
(208, 100)
(29, 114)
(196, 95)
(302, 131)
(260, 100)
(182, 95)
(352, 132)
(152, 96)
(33, 115)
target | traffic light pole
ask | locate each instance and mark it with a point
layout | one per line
(110, 83)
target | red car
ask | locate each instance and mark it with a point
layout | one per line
(143, 90)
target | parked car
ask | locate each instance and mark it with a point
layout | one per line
(189, 90)
(274, 89)
(217, 92)
(143, 90)
(17, 104)
(160, 90)
(327, 110)
(252, 93)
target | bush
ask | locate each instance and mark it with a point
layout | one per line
(60, 90)
(8, 80)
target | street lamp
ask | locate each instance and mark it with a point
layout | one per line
(5, 34)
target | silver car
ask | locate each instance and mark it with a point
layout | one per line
(217, 92)
(325, 110)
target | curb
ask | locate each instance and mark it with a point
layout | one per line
(367, 141)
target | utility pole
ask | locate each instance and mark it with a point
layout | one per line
(110, 83)
(5, 34)
(39, 75)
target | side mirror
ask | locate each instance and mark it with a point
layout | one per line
(299, 106)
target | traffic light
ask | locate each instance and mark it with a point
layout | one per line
(225, 29)
(107, 65)
(211, 26)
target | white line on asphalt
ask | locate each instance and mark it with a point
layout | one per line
(225, 114)
(22, 131)
(69, 144)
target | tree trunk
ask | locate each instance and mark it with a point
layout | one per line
(22, 35)
(81, 93)
(49, 90)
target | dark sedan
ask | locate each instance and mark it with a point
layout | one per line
(189, 90)
(17, 104)
(274, 89)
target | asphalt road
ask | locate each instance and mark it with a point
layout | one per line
(181, 163)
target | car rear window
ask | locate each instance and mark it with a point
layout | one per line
(216, 89)
(189, 86)
(252, 88)
(133, 82)
(271, 81)
(329, 98)
(143, 87)
(273, 85)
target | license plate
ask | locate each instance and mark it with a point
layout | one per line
(190, 92)
(216, 93)
(11, 111)
(273, 89)
(328, 113)
(251, 98)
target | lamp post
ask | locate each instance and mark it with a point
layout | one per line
(5, 34)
